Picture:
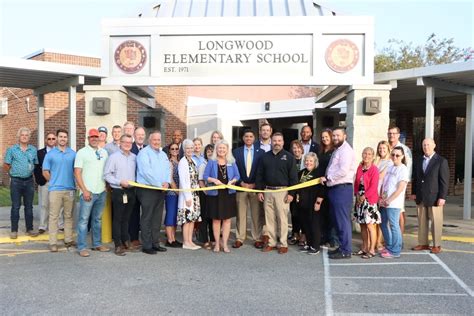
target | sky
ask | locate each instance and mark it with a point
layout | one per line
(74, 26)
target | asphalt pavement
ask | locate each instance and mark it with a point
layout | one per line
(244, 282)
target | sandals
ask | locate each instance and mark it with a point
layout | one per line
(359, 253)
(293, 241)
(368, 255)
(207, 246)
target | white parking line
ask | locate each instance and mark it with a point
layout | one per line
(452, 274)
(391, 278)
(327, 284)
(382, 263)
(399, 294)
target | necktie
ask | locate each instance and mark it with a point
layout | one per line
(248, 163)
(425, 163)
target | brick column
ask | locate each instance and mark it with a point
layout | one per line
(173, 100)
(447, 145)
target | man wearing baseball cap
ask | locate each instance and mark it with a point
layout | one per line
(102, 136)
(89, 173)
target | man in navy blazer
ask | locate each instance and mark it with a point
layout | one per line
(247, 159)
(430, 188)
(307, 140)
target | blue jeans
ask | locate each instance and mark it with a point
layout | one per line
(391, 229)
(22, 188)
(94, 209)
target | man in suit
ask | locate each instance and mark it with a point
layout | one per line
(177, 138)
(247, 159)
(430, 188)
(134, 220)
(307, 140)
(43, 184)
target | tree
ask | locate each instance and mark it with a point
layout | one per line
(401, 55)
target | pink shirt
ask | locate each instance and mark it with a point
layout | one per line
(342, 166)
(371, 183)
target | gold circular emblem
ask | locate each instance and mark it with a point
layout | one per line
(130, 57)
(342, 55)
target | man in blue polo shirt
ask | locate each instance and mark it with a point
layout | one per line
(58, 168)
(19, 162)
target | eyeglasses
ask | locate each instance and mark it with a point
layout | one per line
(51, 138)
(97, 154)
(396, 155)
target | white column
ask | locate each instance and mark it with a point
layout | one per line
(467, 211)
(40, 99)
(429, 123)
(72, 117)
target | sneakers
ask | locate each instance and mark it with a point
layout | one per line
(32, 233)
(312, 251)
(388, 255)
(305, 248)
(13, 235)
(340, 255)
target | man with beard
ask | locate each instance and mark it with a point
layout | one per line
(277, 171)
(339, 180)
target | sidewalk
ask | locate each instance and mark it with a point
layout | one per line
(455, 228)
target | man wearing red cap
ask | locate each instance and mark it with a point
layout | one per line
(89, 173)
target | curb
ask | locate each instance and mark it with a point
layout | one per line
(463, 239)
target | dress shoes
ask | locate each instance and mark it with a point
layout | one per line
(259, 244)
(267, 248)
(120, 251)
(70, 244)
(283, 250)
(173, 244)
(149, 251)
(101, 248)
(421, 247)
(128, 247)
(237, 244)
(436, 249)
(41, 231)
(265, 239)
(13, 235)
(159, 248)
(332, 252)
(84, 253)
(136, 243)
(32, 233)
(53, 248)
(340, 255)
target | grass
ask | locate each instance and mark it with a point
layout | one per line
(5, 197)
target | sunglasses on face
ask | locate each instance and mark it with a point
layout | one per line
(51, 138)
(97, 154)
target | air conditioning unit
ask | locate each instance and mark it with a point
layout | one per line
(3, 106)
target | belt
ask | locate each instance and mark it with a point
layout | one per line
(274, 188)
(340, 185)
(24, 179)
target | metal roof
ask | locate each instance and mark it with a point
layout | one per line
(33, 74)
(236, 8)
(448, 80)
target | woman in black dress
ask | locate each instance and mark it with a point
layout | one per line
(222, 206)
(309, 202)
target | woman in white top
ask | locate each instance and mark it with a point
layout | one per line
(392, 197)
(189, 209)
(382, 162)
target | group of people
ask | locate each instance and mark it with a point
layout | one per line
(320, 213)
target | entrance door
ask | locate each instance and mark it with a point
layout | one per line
(289, 135)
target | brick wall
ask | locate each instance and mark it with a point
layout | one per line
(446, 147)
(133, 107)
(173, 101)
(56, 108)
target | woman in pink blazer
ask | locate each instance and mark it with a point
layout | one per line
(366, 212)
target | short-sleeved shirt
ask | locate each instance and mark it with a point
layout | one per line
(394, 175)
(21, 162)
(60, 165)
(92, 162)
(112, 148)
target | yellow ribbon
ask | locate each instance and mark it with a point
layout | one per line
(228, 186)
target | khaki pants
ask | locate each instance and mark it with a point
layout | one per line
(58, 200)
(425, 214)
(276, 217)
(245, 200)
(44, 208)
